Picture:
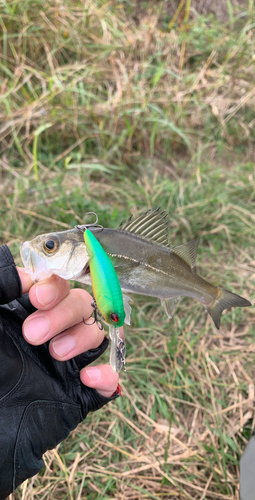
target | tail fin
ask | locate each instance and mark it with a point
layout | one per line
(224, 300)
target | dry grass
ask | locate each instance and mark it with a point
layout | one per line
(109, 90)
(188, 405)
(221, 10)
(116, 115)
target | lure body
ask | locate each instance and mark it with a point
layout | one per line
(105, 282)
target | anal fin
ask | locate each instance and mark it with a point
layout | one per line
(169, 305)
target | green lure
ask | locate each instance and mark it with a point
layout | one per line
(105, 282)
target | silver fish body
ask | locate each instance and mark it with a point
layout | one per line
(144, 261)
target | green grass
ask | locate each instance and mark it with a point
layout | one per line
(101, 113)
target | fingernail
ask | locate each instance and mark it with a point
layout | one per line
(63, 345)
(45, 294)
(94, 373)
(36, 329)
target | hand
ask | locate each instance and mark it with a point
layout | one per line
(59, 318)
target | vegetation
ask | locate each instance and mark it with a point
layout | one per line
(113, 112)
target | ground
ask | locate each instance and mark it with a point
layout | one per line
(108, 112)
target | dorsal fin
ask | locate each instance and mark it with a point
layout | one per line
(188, 252)
(151, 225)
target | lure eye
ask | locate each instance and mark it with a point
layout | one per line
(50, 245)
(115, 317)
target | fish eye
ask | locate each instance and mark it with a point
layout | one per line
(114, 317)
(50, 245)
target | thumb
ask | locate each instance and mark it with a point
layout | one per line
(102, 378)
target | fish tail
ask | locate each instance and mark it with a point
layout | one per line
(224, 300)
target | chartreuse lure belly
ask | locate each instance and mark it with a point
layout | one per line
(108, 296)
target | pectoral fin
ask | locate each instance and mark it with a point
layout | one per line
(169, 305)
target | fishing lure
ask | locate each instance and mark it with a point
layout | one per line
(108, 297)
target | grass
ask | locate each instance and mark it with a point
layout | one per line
(103, 113)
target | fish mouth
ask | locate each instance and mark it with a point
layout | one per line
(38, 267)
(35, 265)
(25, 253)
(86, 269)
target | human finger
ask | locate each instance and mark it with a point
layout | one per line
(25, 279)
(101, 377)
(76, 340)
(49, 292)
(41, 326)
(46, 293)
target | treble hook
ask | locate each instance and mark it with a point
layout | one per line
(93, 304)
(83, 227)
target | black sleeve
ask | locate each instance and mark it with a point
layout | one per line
(41, 399)
(10, 285)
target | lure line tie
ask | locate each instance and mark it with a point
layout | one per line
(95, 225)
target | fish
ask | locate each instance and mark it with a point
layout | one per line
(108, 297)
(145, 261)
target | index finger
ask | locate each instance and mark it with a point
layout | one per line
(25, 279)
